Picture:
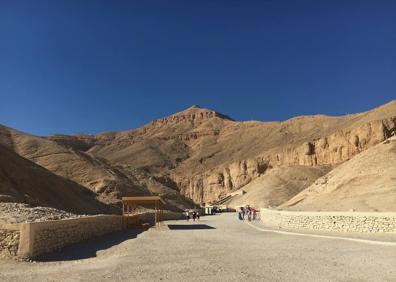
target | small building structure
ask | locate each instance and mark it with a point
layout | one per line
(209, 210)
(129, 205)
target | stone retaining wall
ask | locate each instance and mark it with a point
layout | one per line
(9, 240)
(29, 240)
(49, 236)
(359, 222)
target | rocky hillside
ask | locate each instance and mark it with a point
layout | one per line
(207, 154)
(367, 182)
(109, 182)
(24, 181)
(276, 186)
(201, 154)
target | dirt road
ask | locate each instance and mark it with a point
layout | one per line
(220, 248)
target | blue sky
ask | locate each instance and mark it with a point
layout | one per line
(92, 66)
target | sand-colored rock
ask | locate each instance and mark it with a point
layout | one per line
(95, 174)
(367, 182)
(209, 155)
(204, 155)
(276, 186)
(24, 181)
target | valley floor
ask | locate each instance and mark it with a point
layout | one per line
(219, 248)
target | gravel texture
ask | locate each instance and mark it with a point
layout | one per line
(229, 251)
(19, 213)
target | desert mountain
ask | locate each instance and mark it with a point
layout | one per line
(207, 155)
(77, 166)
(24, 181)
(203, 155)
(109, 181)
(367, 182)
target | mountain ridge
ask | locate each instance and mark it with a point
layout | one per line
(204, 154)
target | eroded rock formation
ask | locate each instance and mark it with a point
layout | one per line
(200, 153)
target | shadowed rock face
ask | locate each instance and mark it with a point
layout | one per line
(24, 181)
(204, 155)
(93, 173)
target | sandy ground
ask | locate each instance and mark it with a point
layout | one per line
(224, 249)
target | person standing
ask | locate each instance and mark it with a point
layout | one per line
(194, 215)
(187, 215)
(254, 213)
(240, 214)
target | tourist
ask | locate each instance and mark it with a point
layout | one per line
(248, 212)
(245, 212)
(194, 215)
(254, 213)
(187, 215)
(198, 216)
(240, 213)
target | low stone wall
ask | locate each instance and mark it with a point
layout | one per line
(359, 222)
(48, 236)
(29, 240)
(9, 240)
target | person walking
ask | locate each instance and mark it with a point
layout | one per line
(240, 213)
(249, 213)
(198, 215)
(187, 215)
(194, 215)
(254, 213)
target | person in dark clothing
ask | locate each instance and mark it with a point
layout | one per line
(240, 213)
(194, 215)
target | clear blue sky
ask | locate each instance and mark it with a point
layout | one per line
(92, 66)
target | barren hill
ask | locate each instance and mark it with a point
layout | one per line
(80, 167)
(24, 181)
(109, 181)
(367, 182)
(204, 155)
(207, 154)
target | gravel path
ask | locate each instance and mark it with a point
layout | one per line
(224, 250)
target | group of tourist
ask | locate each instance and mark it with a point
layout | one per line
(247, 213)
(194, 215)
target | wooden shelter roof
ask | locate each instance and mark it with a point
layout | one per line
(143, 200)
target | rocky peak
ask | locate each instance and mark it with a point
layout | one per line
(194, 115)
(194, 107)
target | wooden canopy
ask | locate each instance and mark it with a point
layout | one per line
(143, 200)
(130, 203)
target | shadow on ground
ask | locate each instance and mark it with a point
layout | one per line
(189, 226)
(89, 248)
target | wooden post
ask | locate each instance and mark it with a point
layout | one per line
(123, 216)
(156, 215)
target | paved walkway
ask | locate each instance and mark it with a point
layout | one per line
(220, 248)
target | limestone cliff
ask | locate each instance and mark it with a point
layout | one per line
(328, 150)
(203, 154)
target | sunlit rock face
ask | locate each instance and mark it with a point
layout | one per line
(202, 154)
